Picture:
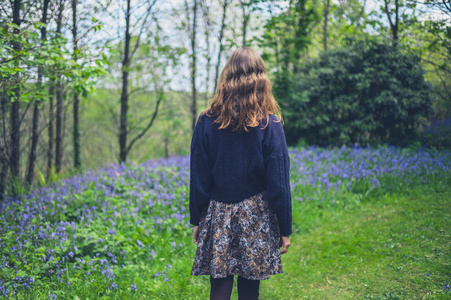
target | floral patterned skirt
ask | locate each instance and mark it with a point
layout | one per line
(239, 238)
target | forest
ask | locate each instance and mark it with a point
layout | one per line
(99, 100)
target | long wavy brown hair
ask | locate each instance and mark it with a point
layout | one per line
(244, 93)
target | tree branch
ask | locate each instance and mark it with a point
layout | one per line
(388, 13)
(160, 98)
(23, 115)
(149, 10)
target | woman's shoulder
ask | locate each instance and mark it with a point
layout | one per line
(205, 114)
(270, 120)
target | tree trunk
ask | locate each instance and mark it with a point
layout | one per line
(124, 95)
(193, 69)
(50, 153)
(59, 103)
(207, 51)
(395, 28)
(3, 173)
(166, 147)
(246, 16)
(15, 107)
(300, 32)
(326, 22)
(3, 151)
(221, 36)
(394, 24)
(59, 127)
(35, 129)
(76, 133)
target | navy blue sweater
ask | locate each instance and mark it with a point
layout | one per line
(228, 166)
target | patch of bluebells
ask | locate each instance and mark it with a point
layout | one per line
(328, 169)
(51, 227)
(33, 222)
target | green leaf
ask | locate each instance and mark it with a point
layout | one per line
(13, 25)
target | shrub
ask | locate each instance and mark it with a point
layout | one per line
(367, 93)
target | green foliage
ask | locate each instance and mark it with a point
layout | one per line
(22, 53)
(367, 93)
(287, 34)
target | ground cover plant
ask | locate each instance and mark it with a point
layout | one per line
(122, 232)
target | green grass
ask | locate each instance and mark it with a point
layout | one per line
(379, 249)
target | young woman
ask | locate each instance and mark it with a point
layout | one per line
(240, 198)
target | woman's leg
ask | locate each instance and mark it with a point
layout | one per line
(248, 289)
(221, 288)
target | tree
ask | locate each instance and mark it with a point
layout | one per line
(76, 130)
(208, 26)
(247, 8)
(400, 14)
(191, 28)
(35, 129)
(288, 34)
(325, 22)
(128, 53)
(59, 99)
(225, 4)
(15, 107)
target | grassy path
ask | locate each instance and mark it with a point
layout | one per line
(394, 247)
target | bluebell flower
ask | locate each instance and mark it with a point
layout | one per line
(446, 287)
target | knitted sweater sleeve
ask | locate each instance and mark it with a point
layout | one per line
(277, 166)
(200, 177)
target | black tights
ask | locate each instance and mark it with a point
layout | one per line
(221, 288)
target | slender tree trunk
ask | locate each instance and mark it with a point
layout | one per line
(326, 22)
(300, 32)
(286, 50)
(59, 104)
(15, 107)
(193, 68)
(276, 41)
(3, 151)
(394, 24)
(76, 133)
(246, 17)
(221, 36)
(34, 138)
(3, 173)
(396, 27)
(208, 57)
(124, 95)
(166, 147)
(35, 129)
(50, 153)
(59, 127)
(207, 51)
